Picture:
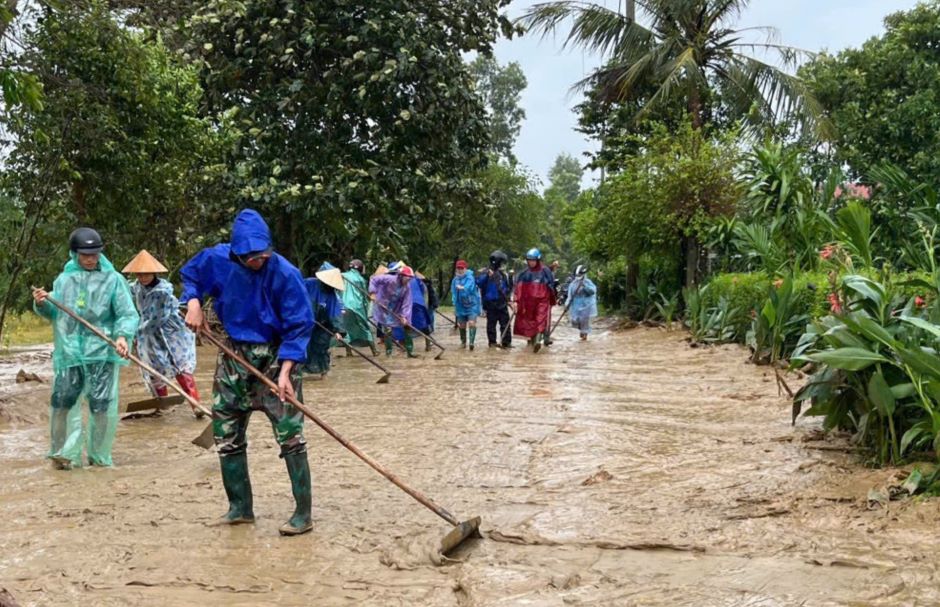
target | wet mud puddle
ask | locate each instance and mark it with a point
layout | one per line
(628, 470)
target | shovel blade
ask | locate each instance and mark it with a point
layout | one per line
(207, 439)
(159, 403)
(467, 529)
(384, 379)
(439, 354)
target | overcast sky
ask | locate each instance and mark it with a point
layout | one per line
(549, 127)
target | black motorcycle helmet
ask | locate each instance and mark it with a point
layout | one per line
(498, 258)
(86, 241)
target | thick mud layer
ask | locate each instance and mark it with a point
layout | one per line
(628, 470)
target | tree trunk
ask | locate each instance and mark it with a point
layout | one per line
(633, 279)
(692, 255)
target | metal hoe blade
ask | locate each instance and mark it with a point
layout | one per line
(160, 403)
(205, 440)
(467, 529)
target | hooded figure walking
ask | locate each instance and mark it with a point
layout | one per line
(82, 363)
(466, 297)
(496, 290)
(582, 293)
(163, 340)
(261, 302)
(534, 295)
(324, 292)
(356, 307)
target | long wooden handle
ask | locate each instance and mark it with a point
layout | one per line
(402, 320)
(445, 317)
(565, 311)
(418, 496)
(130, 355)
(354, 349)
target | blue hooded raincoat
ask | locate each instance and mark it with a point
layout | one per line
(256, 307)
(467, 303)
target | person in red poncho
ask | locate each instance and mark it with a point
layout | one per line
(534, 296)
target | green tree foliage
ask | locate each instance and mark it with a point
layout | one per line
(501, 89)
(561, 203)
(667, 194)
(688, 50)
(17, 86)
(359, 124)
(117, 145)
(882, 97)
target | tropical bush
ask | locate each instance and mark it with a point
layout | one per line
(878, 372)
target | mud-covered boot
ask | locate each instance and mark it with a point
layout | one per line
(388, 345)
(463, 337)
(537, 343)
(427, 345)
(375, 351)
(473, 336)
(298, 468)
(237, 489)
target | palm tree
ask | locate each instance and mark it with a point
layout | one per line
(690, 51)
(690, 48)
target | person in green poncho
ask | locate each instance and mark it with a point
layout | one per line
(82, 363)
(356, 307)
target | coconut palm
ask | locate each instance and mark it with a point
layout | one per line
(689, 49)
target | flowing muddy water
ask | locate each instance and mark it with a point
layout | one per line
(628, 470)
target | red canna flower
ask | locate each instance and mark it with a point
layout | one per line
(920, 302)
(834, 303)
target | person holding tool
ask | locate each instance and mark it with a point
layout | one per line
(496, 289)
(392, 291)
(83, 363)
(356, 307)
(324, 291)
(163, 340)
(534, 295)
(582, 299)
(261, 302)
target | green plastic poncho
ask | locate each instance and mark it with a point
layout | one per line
(84, 365)
(356, 306)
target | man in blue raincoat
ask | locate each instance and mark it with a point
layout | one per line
(261, 301)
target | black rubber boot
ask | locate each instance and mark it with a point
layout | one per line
(298, 468)
(237, 488)
(388, 345)
(463, 338)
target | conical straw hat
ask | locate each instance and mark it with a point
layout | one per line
(144, 263)
(419, 275)
(379, 271)
(332, 277)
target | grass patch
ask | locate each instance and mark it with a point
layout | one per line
(26, 329)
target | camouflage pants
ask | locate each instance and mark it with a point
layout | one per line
(236, 393)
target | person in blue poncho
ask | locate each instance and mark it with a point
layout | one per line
(583, 297)
(465, 294)
(84, 365)
(262, 303)
(495, 286)
(324, 292)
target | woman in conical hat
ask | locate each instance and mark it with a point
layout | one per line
(163, 340)
(324, 292)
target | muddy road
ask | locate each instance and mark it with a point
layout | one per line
(628, 470)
